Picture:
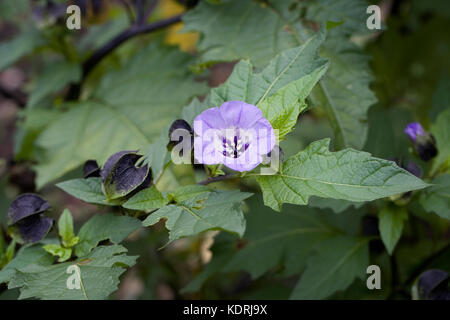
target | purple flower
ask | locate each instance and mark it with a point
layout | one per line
(236, 134)
(413, 129)
(424, 142)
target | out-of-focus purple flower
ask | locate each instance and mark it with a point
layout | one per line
(413, 129)
(236, 134)
(424, 143)
(25, 219)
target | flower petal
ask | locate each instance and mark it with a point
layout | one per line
(266, 139)
(240, 114)
(208, 119)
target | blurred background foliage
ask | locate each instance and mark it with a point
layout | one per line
(41, 61)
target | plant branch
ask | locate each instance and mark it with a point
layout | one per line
(114, 43)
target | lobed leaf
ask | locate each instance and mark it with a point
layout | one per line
(348, 175)
(104, 227)
(196, 211)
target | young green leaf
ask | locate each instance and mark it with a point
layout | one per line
(63, 253)
(337, 263)
(391, 221)
(195, 212)
(104, 227)
(348, 175)
(65, 229)
(283, 107)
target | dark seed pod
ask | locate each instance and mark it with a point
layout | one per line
(179, 124)
(109, 164)
(26, 205)
(433, 285)
(121, 177)
(25, 220)
(91, 169)
(34, 228)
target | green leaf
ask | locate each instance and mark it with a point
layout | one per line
(65, 229)
(88, 190)
(274, 240)
(98, 275)
(10, 250)
(282, 108)
(146, 200)
(337, 263)
(336, 205)
(53, 78)
(275, 243)
(348, 175)
(441, 131)
(391, 221)
(36, 120)
(19, 46)
(157, 156)
(347, 13)
(127, 112)
(437, 198)
(196, 211)
(244, 27)
(104, 227)
(64, 254)
(29, 258)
